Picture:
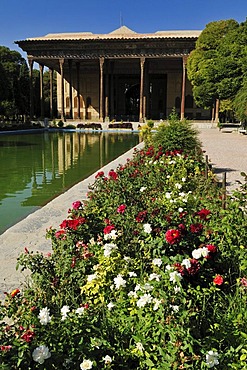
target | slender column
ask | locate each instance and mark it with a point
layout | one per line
(30, 62)
(41, 71)
(142, 62)
(107, 91)
(78, 90)
(101, 60)
(61, 63)
(183, 88)
(70, 90)
(112, 90)
(51, 92)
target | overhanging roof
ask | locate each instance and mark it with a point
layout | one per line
(120, 33)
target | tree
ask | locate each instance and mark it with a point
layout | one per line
(14, 82)
(214, 67)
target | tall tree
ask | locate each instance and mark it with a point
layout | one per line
(213, 68)
(13, 83)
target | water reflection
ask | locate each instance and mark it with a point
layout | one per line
(35, 168)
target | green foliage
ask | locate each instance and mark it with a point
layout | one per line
(177, 135)
(217, 66)
(14, 83)
(60, 123)
(148, 273)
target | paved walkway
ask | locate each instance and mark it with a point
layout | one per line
(227, 152)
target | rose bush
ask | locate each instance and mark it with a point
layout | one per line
(148, 273)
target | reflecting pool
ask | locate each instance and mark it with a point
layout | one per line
(34, 168)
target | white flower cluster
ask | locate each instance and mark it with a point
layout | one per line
(108, 248)
(200, 252)
(212, 358)
(113, 235)
(40, 354)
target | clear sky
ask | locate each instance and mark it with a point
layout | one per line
(21, 19)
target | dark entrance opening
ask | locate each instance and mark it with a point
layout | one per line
(157, 96)
(132, 101)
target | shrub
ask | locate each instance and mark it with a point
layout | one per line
(60, 123)
(179, 135)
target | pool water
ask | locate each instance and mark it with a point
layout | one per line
(35, 168)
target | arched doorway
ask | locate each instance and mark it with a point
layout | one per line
(132, 101)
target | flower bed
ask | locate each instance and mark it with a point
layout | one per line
(148, 273)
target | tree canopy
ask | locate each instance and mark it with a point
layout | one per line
(217, 67)
(14, 82)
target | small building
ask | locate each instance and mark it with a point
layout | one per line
(123, 75)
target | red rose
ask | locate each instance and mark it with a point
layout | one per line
(173, 236)
(28, 336)
(113, 175)
(203, 213)
(141, 216)
(121, 208)
(76, 205)
(218, 280)
(211, 248)
(99, 174)
(194, 268)
(108, 229)
(196, 228)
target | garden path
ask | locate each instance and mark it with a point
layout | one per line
(227, 152)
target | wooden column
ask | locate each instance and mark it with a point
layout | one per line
(101, 62)
(107, 91)
(41, 71)
(61, 63)
(30, 62)
(112, 90)
(183, 88)
(51, 92)
(142, 62)
(78, 90)
(70, 90)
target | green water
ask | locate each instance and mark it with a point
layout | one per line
(34, 168)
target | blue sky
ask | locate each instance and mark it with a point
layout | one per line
(21, 19)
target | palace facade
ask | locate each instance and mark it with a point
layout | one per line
(122, 75)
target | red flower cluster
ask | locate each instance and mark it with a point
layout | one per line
(141, 216)
(76, 205)
(108, 229)
(73, 224)
(113, 175)
(196, 228)
(173, 236)
(60, 234)
(218, 280)
(191, 271)
(121, 208)
(150, 151)
(99, 174)
(5, 348)
(194, 268)
(243, 282)
(203, 213)
(28, 336)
